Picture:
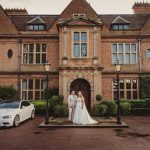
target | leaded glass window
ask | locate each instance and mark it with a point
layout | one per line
(34, 53)
(125, 53)
(33, 89)
(80, 45)
(128, 89)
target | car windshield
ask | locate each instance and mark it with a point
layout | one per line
(9, 104)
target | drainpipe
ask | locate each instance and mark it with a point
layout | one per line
(139, 56)
(19, 68)
(140, 62)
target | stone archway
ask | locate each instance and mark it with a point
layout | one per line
(83, 86)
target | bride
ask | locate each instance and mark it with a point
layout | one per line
(81, 115)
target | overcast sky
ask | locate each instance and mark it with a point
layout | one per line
(57, 6)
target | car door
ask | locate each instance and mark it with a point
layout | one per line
(22, 111)
(28, 109)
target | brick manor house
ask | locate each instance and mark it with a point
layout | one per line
(81, 47)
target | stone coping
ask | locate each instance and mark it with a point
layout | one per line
(103, 122)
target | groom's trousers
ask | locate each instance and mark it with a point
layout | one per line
(71, 113)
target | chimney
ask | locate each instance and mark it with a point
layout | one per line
(141, 8)
(16, 11)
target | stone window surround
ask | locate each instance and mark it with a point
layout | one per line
(125, 88)
(124, 53)
(33, 90)
(87, 42)
(34, 53)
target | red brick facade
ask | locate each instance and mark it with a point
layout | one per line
(57, 32)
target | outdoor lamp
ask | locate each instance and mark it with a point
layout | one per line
(118, 66)
(117, 69)
(47, 67)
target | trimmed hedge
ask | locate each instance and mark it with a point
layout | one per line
(128, 107)
(105, 108)
(55, 101)
(139, 103)
(40, 107)
(139, 106)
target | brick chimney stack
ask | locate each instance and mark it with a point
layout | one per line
(16, 11)
(141, 8)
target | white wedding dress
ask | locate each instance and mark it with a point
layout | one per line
(81, 116)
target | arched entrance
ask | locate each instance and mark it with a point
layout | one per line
(83, 86)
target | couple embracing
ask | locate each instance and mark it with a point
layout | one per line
(78, 113)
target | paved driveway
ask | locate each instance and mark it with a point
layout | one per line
(29, 137)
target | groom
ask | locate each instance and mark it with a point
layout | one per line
(72, 104)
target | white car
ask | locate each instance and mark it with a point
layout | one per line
(14, 112)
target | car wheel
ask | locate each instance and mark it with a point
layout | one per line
(16, 121)
(33, 114)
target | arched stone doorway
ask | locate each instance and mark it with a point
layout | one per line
(83, 86)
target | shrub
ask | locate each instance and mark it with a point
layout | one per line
(147, 103)
(144, 86)
(111, 107)
(95, 111)
(99, 110)
(55, 100)
(39, 107)
(102, 109)
(61, 111)
(56, 108)
(98, 97)
(125, 108)
(7, 92)
(137, 103)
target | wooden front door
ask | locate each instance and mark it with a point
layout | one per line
(83, 86)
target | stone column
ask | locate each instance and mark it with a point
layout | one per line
(65, 42)
(64, 85)
(94, 41)
(97, 83)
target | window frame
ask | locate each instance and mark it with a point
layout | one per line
(34, 53)
(80, 43)
(120, 27)
(124, 53)
(33, 90)
(78, 15)
(125, 90)
(32, 27)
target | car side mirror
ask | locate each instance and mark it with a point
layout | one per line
(22, 107)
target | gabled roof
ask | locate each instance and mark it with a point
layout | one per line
(36, 20)
(136, 21)
(78, 7)
(21, 21)
(6, 26)
(120, 20)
